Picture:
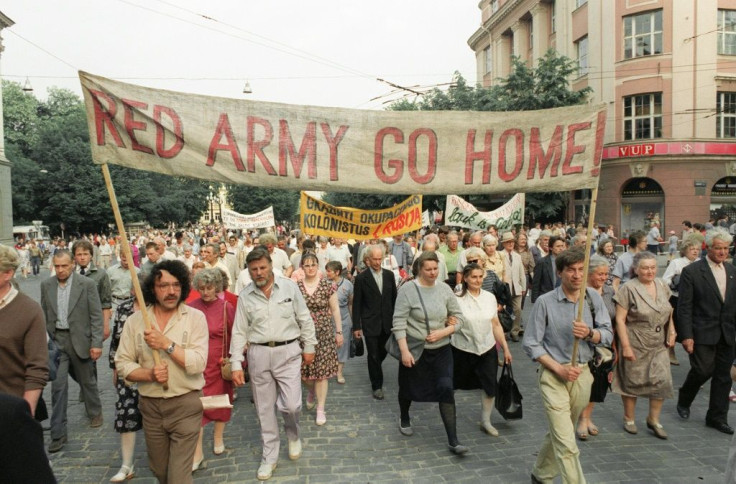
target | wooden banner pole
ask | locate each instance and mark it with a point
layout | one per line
(129, 256)
(586, 265)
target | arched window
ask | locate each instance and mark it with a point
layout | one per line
(723, 199)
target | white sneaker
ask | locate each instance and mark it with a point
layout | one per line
(265, 471)
(295, 449)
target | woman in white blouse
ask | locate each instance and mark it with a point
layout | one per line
(474, 344)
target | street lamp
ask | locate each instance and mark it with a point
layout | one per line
(211, 201)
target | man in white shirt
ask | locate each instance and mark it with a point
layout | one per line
(279, 258)
(272, 320)
(211, 257)
(341, 253)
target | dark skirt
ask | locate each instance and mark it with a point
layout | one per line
(476, 371)
(127, 416)
(430, 379)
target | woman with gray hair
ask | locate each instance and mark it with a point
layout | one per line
(494, 261)
(220, 316)
(644, 329)
(598, 269)
(689, 253)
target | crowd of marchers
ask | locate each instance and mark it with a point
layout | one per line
(282, 312)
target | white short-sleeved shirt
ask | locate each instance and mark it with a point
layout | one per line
(476, 334)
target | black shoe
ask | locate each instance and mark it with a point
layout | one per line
(720, 426)
(57, 444)
(535, 480)
(458, 449)
(683, 412)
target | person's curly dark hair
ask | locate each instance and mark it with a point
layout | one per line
(174, 267)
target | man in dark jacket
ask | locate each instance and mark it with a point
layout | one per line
(706, 325)
(374, 296)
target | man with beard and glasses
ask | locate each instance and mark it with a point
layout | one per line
(172, 414)
(272, 319)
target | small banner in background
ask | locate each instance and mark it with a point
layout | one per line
(460, 213)
(235, 220)
(320, 218)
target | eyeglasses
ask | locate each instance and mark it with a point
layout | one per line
(169, 285)
(306, 266)
(474, 261)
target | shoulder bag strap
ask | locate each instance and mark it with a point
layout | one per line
(426, 318)
(224, 330)
(590, 305)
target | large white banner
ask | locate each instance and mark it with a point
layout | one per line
(346, 150)
(460, 213)
(235, 220)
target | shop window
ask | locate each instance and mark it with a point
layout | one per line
(726, 115)
(643, 34)
(642, 202)
(723, 199)
(643, 116)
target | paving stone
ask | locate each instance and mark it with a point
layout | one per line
(361, 443)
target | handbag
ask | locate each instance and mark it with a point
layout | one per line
(392, 346)
(356, 347)
(54, 357)
(507, 322)
(225, 369)
(508, 396)
(601, 366)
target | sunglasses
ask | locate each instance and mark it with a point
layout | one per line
(474, 261)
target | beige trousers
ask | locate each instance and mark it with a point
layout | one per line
(563, 403)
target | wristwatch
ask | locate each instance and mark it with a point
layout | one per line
(590, 335)
(170, 349)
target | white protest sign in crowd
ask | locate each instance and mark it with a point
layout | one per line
(235, 220)
(459, 212)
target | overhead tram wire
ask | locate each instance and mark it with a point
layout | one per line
(287, 50)
(42, 49)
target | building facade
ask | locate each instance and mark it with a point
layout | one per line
(6, 195)
(666, 69)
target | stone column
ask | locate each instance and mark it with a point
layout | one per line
(540, 24)
(6, 196)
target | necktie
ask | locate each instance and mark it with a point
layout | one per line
(84, 269)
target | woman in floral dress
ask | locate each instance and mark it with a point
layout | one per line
(128, 418)
(321, 298)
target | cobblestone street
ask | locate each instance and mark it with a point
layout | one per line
(361, 443)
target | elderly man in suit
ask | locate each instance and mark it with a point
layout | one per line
(545, 274)
(374, 295)
(73, 313)
(706, 325)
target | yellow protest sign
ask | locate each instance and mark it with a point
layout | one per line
(320, 218)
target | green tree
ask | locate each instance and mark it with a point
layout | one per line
(247, 200)
(544, 87)
(54, 179)
(20, 117)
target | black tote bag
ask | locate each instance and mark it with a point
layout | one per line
(508, 397)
